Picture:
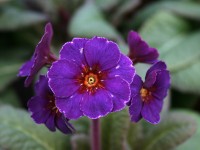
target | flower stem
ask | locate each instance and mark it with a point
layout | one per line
(95, 135)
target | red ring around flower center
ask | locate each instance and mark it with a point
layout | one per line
(145, 95)
(51, 105)
(90, 79)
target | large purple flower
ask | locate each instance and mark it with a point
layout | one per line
(43, 109)
(147, 98)
(41, 57)
(139, 51)
(92, 78)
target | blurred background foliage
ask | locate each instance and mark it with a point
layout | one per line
(171, 26)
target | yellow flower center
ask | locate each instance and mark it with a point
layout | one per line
(145, 94)
(91, 80)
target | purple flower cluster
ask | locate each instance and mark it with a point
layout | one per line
(43, 108)
(147, 97)
(93, 78)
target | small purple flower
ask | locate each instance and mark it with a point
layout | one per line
(41, 57)
(147, 98)
(43, 109)
(139, 51)
(92, 78)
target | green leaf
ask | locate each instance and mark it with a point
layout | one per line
(107, 4)
(135, 135)
(186, 9)
(19, 132)
(178, 48)
(88, 22)
(187, 80)
(163, 30)
(12, 18)
(193, 142)
(114, 130)
(174, 130)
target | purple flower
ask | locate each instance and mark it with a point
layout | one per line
(139, 51)
(92, 78)
(43, 109)
(41, 57)
(147, 98)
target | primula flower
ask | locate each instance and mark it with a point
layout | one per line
(41, 57)
(147, 98)
(92, 78)
(43, 109)
(139, 51)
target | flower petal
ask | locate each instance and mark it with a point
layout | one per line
(99, 51)
(119, 91)
(151, 111)
(96, 105)
(37, 104)
(63, 126)
(63, 87)
(150, 79)
(50, 123)
(136, 85)
(73, 51)
(124, 69)
(38, 109)
(156, 67)
(70, 107)
(43, 47)
(42, 88)
(42, 52)
(139, 49)
(136, 108)
(64, 69)
(25, 69)
(162, 84)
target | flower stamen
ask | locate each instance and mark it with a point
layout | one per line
(91, 80)
(145, 95)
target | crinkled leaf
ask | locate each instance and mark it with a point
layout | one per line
(114, 130)
(19, 132)
(171, 132)
(88, 22)
(187, 9)
(107, 4)
(178, 48)
(135, 135)
(193, 143)
(187, 80)
(163, 30)
(12, 18)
